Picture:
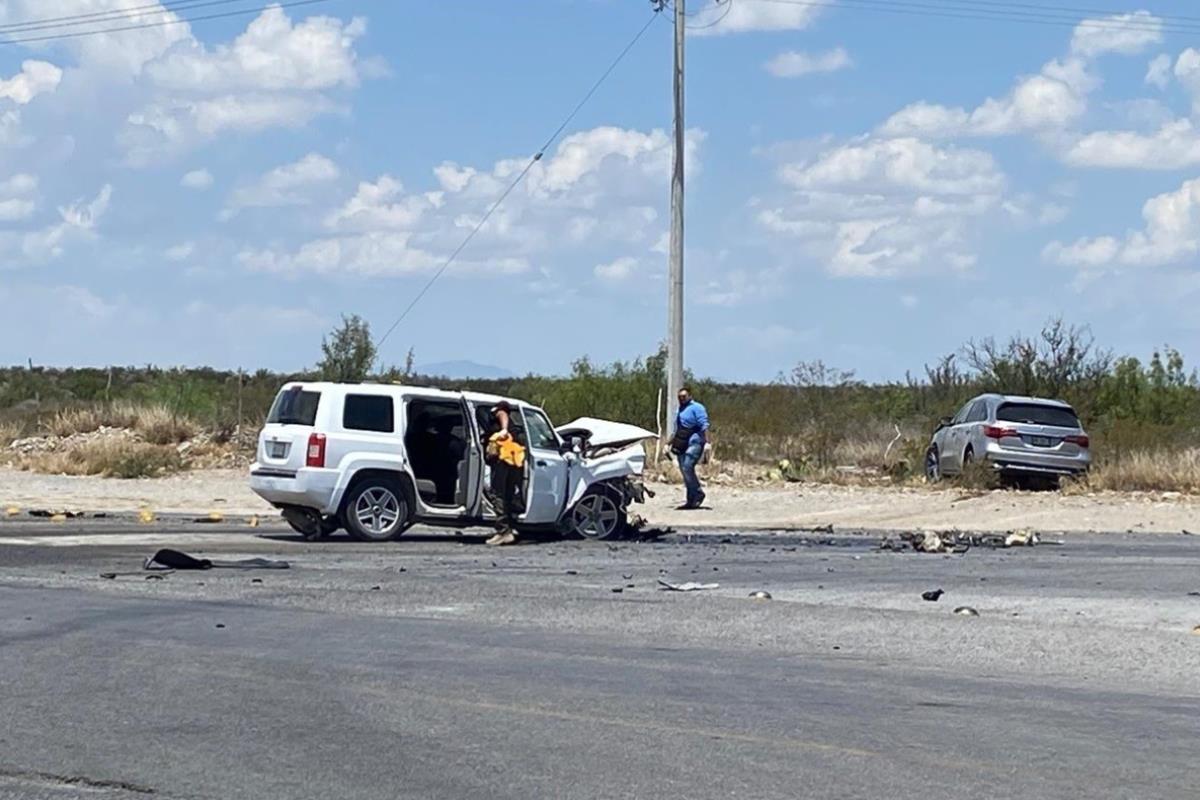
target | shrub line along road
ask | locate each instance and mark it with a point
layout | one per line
(436, 667)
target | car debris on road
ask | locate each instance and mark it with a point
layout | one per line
(958, 541)
(690, 586)
(168, 560)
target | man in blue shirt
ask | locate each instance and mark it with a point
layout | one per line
(691, 434)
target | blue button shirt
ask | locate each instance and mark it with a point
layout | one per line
(693, 416)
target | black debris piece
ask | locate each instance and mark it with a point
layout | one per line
(220, 624)
(1193, 594)
(167, 559)
(933, 595)
(617, 590)
(42, 513)
(256, 580)
(572, 572)
(966, 611)
(108, 576)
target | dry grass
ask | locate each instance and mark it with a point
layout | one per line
(111, 458)
(1149, 471)
(9, 433)
(155, 423)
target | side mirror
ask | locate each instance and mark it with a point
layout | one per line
(573, 444)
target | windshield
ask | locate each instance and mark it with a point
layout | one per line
(294, 407)
(1035, 414)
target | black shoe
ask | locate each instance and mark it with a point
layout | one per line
(702, 498)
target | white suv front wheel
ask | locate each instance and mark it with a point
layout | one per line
(598, 515)
(376, 511)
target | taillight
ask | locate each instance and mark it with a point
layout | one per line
(1082, 441)
(993, 432)
(316, 450)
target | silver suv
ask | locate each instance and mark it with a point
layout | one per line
(375, 458)
(1021, 437)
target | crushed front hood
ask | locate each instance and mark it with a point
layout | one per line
(602, 433)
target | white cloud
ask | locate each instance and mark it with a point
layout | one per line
(1174, 146)
(35, 77)
(1048, 102)
(273, 54)
(277, 73)
(199, 179)
(180, 252)
(737, 287)
(1171, 234)
(1187, 71)
(746, 16)
(906, 165)
(599, 188)
(15, 201)
(1158, 72)
(78, 221)
(123, 53)
(1125, 34)
(616, 271)
(882, 207)
(909, 300)
(287, 185)
(794, 64)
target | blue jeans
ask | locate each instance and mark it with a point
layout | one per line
(687, 465)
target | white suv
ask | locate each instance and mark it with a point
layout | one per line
(375, 458)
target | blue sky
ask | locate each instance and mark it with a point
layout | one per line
(866, 188)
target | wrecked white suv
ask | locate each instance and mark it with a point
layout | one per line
(376, 458)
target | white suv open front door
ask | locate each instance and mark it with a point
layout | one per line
(547, 469)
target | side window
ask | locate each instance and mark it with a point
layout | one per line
(978, 412)
(961, 416)
(541, 433)
(369, 412)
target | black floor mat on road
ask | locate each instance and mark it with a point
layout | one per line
(167, 559)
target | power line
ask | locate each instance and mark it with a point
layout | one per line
(714, 23)
(1015, 16)
(520, 177)
(112, 15)
(163, 23)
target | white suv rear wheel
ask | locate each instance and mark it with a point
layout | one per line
(376, 511)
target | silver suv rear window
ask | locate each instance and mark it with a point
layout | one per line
(294, 407)
(1035, 414)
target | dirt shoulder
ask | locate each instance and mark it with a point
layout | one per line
(771, 507)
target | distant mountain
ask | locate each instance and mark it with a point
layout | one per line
(462, 369)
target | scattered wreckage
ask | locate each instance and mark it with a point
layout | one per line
(959, 541)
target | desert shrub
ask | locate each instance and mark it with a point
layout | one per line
(113, 458)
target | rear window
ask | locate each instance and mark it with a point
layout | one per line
(295, 407)
(369, 412)
(1034, 414)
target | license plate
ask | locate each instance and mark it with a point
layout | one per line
(279, 449)
(1039, 441)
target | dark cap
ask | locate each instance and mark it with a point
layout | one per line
(503, 405)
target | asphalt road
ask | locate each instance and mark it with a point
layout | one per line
(435, 667)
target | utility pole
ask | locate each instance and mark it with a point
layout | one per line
(675, 303)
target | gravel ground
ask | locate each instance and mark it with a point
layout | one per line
(779, 507)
